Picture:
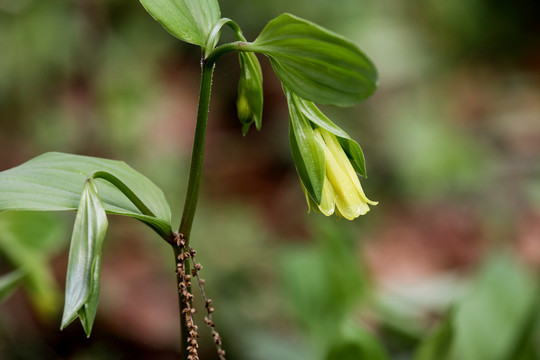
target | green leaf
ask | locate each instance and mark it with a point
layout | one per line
(527, 346)
(360, 345)
(315, 285)
(84, 265)
(308, 154)
(188, 20)
(316, 63)
(499, 307)
(54, 181)
(311, 112)
(250, 92)
(438, 344)
(215, 33)
(9, 282)
(496, 309)
(28, 240)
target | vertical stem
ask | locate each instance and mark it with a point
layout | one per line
(197, 154)
(194, 181)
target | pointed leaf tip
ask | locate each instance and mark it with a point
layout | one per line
(84, 264)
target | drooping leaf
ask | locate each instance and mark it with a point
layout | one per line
(84, 266)
(308, 154)
(250, 92)
(9, 282)
(316, 63)
(215, 33)
(54, 181)
(311, 112)
(188, 20)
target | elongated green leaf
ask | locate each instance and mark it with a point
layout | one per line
(9, 282)
(250, 92)
(84, 266)
(188, 20)
(311, 112)
(54, 181)
(307, 153)
(315, 63)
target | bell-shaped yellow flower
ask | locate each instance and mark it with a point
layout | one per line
(342, 192)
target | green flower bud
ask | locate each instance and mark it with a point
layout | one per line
(250, 92)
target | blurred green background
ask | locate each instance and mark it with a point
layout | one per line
(445, 267)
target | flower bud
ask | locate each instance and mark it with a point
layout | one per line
(327, 161)
(342, 191)
(250, 92)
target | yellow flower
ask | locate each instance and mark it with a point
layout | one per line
(342, 192)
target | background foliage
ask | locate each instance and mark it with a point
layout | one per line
(448, 261)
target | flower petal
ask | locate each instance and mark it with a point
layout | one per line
(327, 205)
(349, 198)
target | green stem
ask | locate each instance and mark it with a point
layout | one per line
(215, 33)
(197, 154)
(194, 182)
(223, 49)
(195, 171)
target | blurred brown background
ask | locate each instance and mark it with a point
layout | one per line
(451, 139)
